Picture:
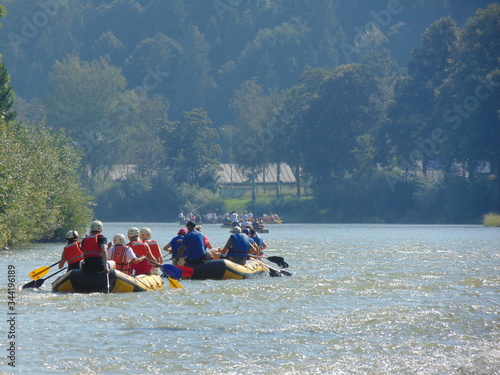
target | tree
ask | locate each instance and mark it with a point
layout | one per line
(192, 151)
(287, 144)
(41, 197)
(251, 136)
(414, 103)
(87, 99)
(468, 109)
(6, 92)
(336, 128)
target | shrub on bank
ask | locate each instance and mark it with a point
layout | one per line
(40, 194)
(491, 220)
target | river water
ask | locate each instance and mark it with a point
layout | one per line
(363, 299)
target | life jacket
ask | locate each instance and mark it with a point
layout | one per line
(90, 247)
(119, 255)
(258, 240)
(140, 248)
(195, 247)
(174, 245)
(73, 253)
(155, 250)
(241, 246)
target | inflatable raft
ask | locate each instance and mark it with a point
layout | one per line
(258, 230)
(223, 269)
(77, 281)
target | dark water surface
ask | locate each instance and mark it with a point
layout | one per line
(363, 299)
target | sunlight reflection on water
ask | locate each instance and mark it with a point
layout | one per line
(374, 299)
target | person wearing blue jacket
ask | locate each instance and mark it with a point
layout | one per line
(175, 243)
(238, 247)
(193, 246)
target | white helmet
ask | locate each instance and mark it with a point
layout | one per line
(236, 230)
(133, 232)
(119, 239)
(71, 235)
(146, 233)
(96, 226)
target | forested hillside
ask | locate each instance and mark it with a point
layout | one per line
(388, 109)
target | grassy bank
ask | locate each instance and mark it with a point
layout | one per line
(491, 220)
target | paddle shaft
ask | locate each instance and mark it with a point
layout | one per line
(174, 284)
(282, 272)
(42, 271)
(38, 283)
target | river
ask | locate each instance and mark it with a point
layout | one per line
(363, 299)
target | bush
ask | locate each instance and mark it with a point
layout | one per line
(491, 220)
(41, 197)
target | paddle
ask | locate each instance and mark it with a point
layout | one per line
(272, 271)
(40, 272)
(186, 271)
(172, 271)
(38, 283)
(171, 282)
(280, 261)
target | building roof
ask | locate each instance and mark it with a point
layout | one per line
(231, 173)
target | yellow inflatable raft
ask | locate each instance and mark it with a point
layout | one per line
(77, 281)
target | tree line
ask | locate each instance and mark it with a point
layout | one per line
(173, 88)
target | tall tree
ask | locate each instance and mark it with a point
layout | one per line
(6, 92)
(251, 135)
(415, 95)
(192, 149)
(87, 99)
(469, 100)
(334, 124)
(287, 143)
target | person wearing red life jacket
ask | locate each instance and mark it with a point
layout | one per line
(146, 237)
(122, 255)
(140, 249)
(95, 250)
(72, 252)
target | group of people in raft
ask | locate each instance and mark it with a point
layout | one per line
(141, 255)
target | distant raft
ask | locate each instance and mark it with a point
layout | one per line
(78, 281)
(223, 269)
(258, 230)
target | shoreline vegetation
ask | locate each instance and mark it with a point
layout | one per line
(491, 220)
(122, 128)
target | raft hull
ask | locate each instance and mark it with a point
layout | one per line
(223, 269)
(257, 230)
(77, 281)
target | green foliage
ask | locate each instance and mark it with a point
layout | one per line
(120, 75)
(86, 100)
(6, 95)
(192, 149)
(39, 185)
(491, 220)
(468, 101)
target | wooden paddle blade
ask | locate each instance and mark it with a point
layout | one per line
(39, 272)
(174, 284)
